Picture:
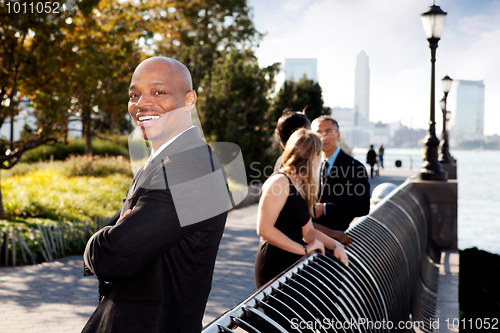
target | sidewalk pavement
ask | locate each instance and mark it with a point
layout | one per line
(395, 176)
(56, 297)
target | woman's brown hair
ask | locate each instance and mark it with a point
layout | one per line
(300, 150)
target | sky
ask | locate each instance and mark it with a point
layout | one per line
(392, 35)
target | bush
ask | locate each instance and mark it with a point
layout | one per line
(97, 166)
(51, 193)
(74, 236)
(74, 147)
(58, 196)
(76, 165)
(23, 168)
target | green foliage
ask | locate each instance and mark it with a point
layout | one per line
(51, 193)
(57, 195)
(297, 96)
(234, 105)
(96, 166)
(74, 147)
(78, 64)
(196, 33)
(18, 65)
(75, 236)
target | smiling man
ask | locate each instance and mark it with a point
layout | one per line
(155, 260)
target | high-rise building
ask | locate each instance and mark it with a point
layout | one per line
(468, 124)
(354, 128)
(296, 68)
(362, 86)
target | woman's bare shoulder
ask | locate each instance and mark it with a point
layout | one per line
(278, 179)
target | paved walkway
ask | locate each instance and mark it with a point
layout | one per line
(55, 297)
(395, 176)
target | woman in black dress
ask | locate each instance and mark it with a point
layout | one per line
(285, 208)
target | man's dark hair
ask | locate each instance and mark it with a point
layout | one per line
(288, 123)
(326, 117)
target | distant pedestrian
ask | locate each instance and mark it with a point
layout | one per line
(381, 155)
(371, 159)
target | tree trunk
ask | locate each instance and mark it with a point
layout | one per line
(87, 130)
(2, 213)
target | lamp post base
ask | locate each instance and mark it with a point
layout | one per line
(432, 169)
(439, 174)
(451, 169)
(445, 157)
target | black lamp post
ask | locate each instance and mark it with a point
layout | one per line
(433, 21)
(445, 157)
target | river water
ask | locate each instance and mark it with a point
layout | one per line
(478, 192)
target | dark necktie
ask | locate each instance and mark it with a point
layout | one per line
(136, 179)
(324, 175)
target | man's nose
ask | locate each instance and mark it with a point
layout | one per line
(144, 100)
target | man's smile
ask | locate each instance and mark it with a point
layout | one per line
(145, 121)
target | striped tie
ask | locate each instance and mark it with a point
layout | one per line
(324, 175)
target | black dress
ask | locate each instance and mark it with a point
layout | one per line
(271, 260)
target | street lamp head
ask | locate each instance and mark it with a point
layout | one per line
(433, 21)
(446, 81)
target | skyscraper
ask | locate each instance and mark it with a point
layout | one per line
(296, 68)
(362, 86)
(468, 122)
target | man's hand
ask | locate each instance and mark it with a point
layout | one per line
(319, 209)
(341, 237)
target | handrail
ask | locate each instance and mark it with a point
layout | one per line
(389, 285)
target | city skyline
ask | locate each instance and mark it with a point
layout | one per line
(391, 32)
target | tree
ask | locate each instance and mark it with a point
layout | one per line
(98, 57)
(197, 32)
(304, 95)
(79, 64)
(235, 105)
(206, 35)
(16, 65)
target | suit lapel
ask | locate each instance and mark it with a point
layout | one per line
(187, 140)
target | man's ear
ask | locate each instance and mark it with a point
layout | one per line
(191, 99)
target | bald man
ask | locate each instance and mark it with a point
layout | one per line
(155, 261)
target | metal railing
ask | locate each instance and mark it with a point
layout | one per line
(389, 286)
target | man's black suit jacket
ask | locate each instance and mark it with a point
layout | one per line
(346, 193)
(159, 272)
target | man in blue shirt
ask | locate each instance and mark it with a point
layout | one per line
(344, 189)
